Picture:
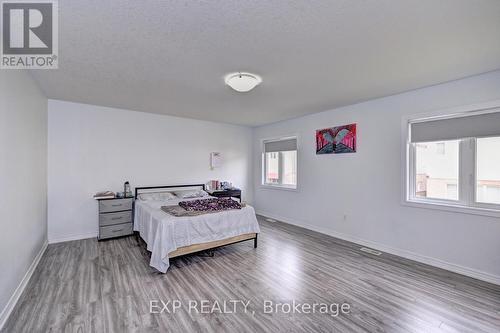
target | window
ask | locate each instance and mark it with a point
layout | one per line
(437, 170)
(272, 168)
(455, 161)
(488, 170)
(280, 163)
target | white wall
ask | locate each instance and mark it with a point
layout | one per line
(366, 186)
(23, 181)
(94, 148)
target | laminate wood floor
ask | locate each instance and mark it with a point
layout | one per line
(90, 286)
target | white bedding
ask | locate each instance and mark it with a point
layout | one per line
(164, 233)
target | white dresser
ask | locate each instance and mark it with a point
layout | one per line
(115, 218)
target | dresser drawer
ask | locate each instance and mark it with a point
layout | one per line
(115, 230)
(114, 205)
(115, 218)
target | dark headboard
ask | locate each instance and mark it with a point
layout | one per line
(153, 189)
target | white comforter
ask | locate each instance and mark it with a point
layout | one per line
(164, 233)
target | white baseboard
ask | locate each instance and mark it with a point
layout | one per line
(67, 238)
(470, 272)
(7, 310)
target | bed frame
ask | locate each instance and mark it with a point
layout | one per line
(185, 250)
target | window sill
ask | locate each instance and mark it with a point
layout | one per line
(450, 207)
(278, 187)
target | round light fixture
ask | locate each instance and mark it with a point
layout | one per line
(242, 82)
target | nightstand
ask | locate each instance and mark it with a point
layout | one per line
(115, 218)
(234, 193)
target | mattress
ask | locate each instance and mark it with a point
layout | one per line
(164, 233)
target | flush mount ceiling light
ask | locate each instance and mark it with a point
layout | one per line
(242, 82)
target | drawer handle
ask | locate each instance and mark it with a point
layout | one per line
(116, 230)
(116, 205)
(117, 218)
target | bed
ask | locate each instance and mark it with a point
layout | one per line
(167, 236)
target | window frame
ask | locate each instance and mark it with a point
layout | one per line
(280, 186)
(280, 169)
(467, 183)
(412, 193)
(474, 181)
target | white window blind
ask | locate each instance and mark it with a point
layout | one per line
(281, 145)
(479, 125)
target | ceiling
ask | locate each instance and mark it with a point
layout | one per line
(170, 57)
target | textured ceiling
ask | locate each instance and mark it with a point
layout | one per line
(170, 57)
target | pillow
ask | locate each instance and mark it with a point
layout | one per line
(166, 196)
(190, 194)
(145, 197)
(159, 196)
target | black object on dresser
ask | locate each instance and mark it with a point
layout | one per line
(230, 193)
(115, 217)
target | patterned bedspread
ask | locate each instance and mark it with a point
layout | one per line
(210, 205)
(202, 206)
